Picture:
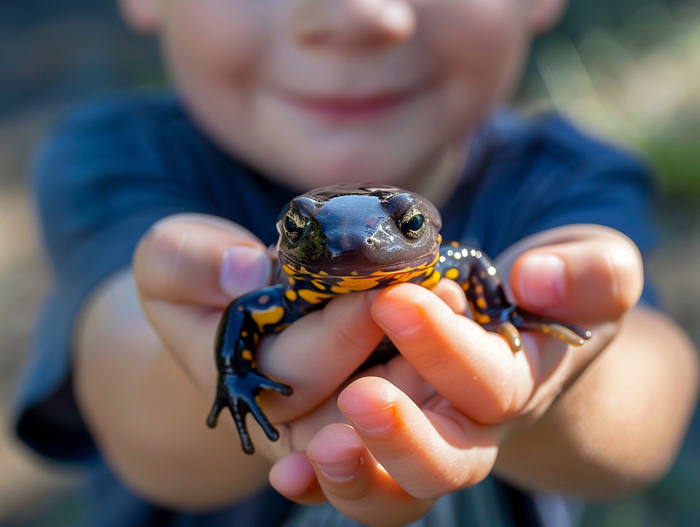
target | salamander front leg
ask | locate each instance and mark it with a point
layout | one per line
(488, 302)
(239, 394)
(511, 320)
(569, 333)
(239, 381)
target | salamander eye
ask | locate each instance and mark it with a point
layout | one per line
(294, 226)
(412, 224)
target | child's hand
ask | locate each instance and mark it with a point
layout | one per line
(188, 268)
(435, 417)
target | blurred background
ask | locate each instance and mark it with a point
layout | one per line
(626, 69)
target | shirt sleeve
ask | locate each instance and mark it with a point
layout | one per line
(99, 183)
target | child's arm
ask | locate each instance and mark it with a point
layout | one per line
(146, 413)
(617, 427)
(621, 423)
(146, 385)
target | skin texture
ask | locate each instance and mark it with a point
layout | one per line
(313, 88)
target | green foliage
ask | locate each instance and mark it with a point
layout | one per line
(676, 154)
(636, 83)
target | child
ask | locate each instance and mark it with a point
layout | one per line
(274, 98)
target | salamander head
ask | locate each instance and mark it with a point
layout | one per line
(358, 230)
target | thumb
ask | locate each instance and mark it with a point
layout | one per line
(596, 277)
(199, 259)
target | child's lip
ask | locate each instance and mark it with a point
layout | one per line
(343, 107)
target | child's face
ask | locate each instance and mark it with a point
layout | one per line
(314, 92)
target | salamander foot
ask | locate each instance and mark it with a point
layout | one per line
(513, 319)
(239, 394)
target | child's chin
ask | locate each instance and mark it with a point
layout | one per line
(355, 165)
(332, 174)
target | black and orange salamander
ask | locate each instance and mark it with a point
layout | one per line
(348, 238)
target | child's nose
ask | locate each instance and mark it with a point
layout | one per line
(352, 24)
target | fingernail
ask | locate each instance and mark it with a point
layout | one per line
(542, 281)
(401, 321)
(376, 422)
(244, 269)
(341, 471)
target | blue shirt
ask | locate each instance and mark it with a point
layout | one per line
(112, 168)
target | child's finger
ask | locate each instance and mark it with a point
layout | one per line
(356, 485)
(187, 268)
(294, 477)
(199, 259)
(429, 454)
(595, 277)
(452, 294)
(319, 352)
(473, 369)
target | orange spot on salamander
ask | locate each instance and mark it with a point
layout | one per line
(313, 297)
(268, 316)
(431, 280)
(452, 274)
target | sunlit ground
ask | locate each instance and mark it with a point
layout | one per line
(638, 85)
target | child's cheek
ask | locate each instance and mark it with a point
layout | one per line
(479, 45)
(217, 41)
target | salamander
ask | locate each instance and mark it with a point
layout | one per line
(348, 238)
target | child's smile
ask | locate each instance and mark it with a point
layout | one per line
(315, 92)
(348, 109)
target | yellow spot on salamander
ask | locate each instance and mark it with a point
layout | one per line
(268, 316)
(292, 281)
(359, 283)
(313, 297)
(247, 355)
(244, 334)
(339, 290)
(323, 273)
(431, 280)
(291, 295)
(452, 274)
(407, 277)
(481, 318)
(319, 285)
(454, 244)
(439, 238)
(481, 303)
